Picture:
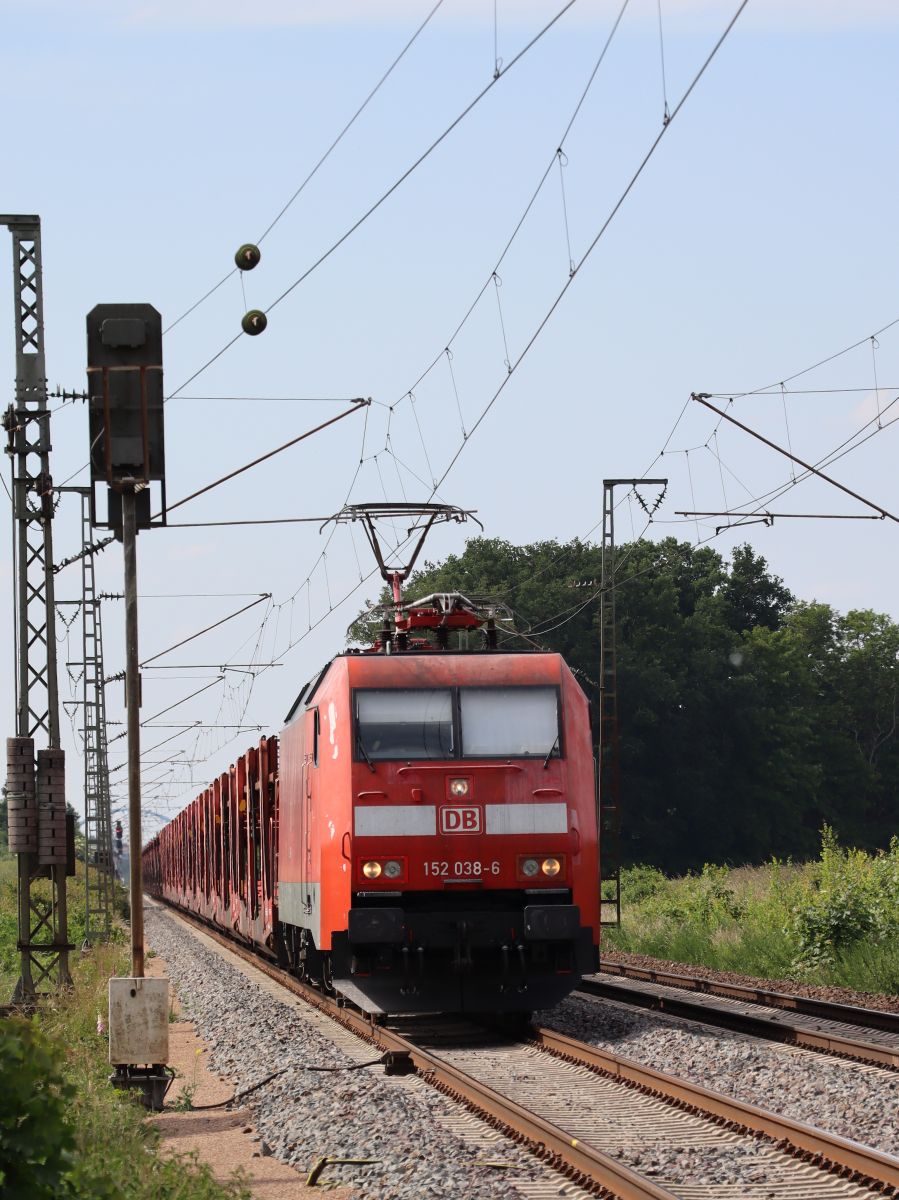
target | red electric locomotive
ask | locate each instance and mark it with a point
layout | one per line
(421, 837)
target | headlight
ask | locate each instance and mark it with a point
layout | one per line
(371, 870)
(551, 866)
(530, 867)
(393, 869)
(458, 787)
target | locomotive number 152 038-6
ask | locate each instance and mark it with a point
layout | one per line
(467, 868)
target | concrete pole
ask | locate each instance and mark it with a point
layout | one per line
(132, 703)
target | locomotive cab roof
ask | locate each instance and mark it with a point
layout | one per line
(441, 613)
(309, 690)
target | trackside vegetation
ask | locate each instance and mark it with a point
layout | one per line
(65, 1133)
(833, 921)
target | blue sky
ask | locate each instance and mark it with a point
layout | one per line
(154, 138)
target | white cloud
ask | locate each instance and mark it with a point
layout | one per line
(872, 404)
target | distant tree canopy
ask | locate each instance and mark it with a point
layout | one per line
(748, 718)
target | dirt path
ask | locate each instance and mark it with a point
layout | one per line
(222, 1137)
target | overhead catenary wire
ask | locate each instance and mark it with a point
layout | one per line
(782, 389)
(756, 504)
(360, 404)
(785, 515)
(169, 707)
(557, 300)
(207, 629)
(806, 466)
(373, 208)
(592, 245)
(629, 187)
(492, 277)
(779, 388)
(823, 362)
(666, 116)
(599, 235)
(321, 161)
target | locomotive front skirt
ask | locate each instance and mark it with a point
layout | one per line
(421, 837)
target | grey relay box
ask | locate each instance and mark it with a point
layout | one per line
(138, 1021)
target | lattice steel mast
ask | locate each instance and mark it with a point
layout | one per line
(99, 880)
(609, 764)
(43, 927)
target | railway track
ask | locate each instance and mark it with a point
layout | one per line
(867, 1035)
(615, 1128)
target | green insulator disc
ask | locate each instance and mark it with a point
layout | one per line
(254, 322)
(248, 256)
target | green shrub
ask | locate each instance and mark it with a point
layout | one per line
(640, 882)
(832, 921)
(36, 1142)
(851, 898)
(65, 1133)
(706, 899)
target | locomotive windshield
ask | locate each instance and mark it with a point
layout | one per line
(495, 722)
(405, 724)
(511, 722)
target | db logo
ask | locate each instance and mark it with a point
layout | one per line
(460, 818)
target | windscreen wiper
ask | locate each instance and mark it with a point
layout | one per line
(549, 756)
(364, 753)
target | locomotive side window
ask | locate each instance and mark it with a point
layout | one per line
(404, 723)
(513, 722)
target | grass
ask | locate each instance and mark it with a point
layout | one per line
(75, 895)
(65, 1133)
(834, 921)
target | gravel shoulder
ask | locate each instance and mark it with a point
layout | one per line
(224, 1138)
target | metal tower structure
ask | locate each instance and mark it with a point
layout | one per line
(99, 878)
(43, 925)
(609, 758)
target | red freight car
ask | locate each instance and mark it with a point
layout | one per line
(422, 836)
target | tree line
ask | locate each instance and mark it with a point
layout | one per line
(748, 718)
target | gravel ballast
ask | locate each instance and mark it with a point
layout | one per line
(427, 1146)
(851, 1099)
(303, 1116)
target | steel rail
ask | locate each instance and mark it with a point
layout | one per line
(589, 1168)
(830, 1010)
(757, 1024)
(853, 1156)
(585, 1165)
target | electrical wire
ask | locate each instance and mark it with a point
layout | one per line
(207, 629)
(293, 641)
(375, 1062)
(409, 392)
(373, 208)
(492, 278)
(287, 399)
(333, 146)
(615, 209)
(821, 363)
(358, 405)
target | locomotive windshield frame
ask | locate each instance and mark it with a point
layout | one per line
(443, 740)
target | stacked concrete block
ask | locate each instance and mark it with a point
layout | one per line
(21, 801)
(51, 806)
